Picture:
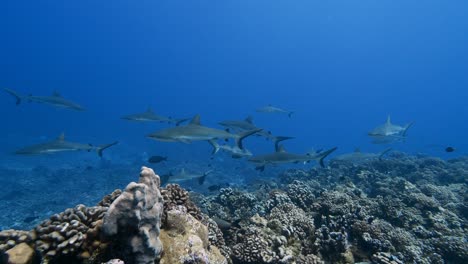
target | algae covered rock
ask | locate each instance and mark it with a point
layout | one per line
(19, 254)
(185, 240)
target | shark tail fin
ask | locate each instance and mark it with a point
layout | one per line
(324, 154)
(201, 180)
(101, 148)
(406, 129)
(165, 178)
(278, 139)
(381, 154)
(14, 94)
(215, 146)
(244, 135)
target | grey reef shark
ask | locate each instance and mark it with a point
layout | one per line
(273, 109)
(150, 116)
(182, 176)
(60, 145)
(358, 157)
(54, 100)
(234, 151)
(281, 156)
(194, 131)
(247, 125)
(389, 133)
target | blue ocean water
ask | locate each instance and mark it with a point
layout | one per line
(341, 66)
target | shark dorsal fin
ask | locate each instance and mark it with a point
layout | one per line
(357, 150)
(149, 110)
(388, 120)
(56, 94)
(182, 171)
(249, 120)
(195, 120)
(281, 149)
(61, 137)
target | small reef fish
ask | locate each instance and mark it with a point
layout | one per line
(225, 225)
(150, 116)
(273, 109)
(281, 156)
(184, 176)
(194, 131)
(157, 159)
(388, 132)
(449, 149)
(55, 100)
(60, 145)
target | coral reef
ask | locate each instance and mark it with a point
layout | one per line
(403, 209)
(399, 210)
(123, 227)
(134, 218)
(73, 232)
(173, 196)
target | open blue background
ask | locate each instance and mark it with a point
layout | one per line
(342, 66)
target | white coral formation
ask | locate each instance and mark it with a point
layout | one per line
(134, 219)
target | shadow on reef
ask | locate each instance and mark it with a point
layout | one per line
(399, 210)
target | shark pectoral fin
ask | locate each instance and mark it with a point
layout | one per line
(215, 146)
(180, 121)
(100, 149)
(290, 114)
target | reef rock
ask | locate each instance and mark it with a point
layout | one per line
(134, 219)
(20, 254)
(185, 240)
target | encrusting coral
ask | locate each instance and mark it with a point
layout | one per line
(185, 240)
